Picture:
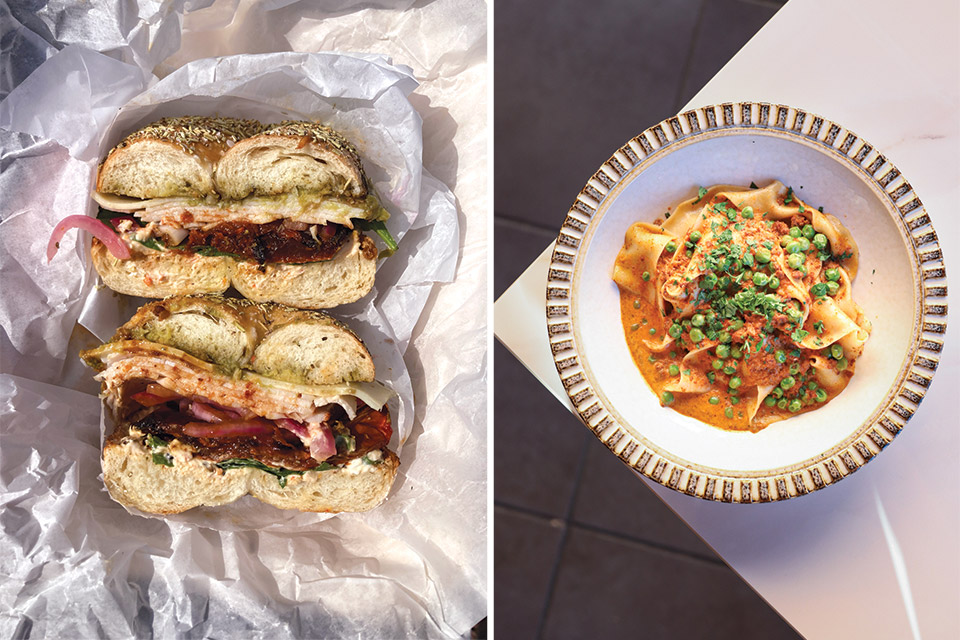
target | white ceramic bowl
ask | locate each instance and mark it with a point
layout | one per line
(901, 286)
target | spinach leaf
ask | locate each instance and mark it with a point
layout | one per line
(381, 229)
(279, 472)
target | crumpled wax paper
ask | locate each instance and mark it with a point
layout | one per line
(77, 563)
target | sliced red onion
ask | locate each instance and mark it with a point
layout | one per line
(292, 425)
(100, 231)
(228, 428)
(322, 444)
(206, 413)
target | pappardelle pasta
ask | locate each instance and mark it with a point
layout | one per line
(737, 307)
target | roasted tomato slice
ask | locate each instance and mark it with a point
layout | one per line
(372, 428)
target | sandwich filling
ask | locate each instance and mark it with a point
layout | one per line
(169, 400)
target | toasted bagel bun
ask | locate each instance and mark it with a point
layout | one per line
(345, 278)
(290, 157)
(171, 157)
(134, 480)
(266, 358)
(293, 345)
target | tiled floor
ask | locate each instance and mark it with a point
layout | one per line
(582, 547)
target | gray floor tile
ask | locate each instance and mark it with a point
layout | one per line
(515, 246)
(614, 498)
(610, 588)
(537, 443)
(573, 83)
(725, 27)
(523, 559)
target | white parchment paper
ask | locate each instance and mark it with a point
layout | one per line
(78, 563)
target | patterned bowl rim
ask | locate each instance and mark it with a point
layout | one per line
(877, 431)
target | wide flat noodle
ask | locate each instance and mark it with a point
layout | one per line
(715, 238)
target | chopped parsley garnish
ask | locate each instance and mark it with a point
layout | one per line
(799, 334)
(818, 325)
(702, 191)
(789, 197)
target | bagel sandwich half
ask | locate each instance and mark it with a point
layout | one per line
(197, 204)
(214, 398)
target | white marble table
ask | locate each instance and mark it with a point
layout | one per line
(877, 555)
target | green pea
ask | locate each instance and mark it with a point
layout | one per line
(634, 327)
(723, 351)
(636, 304)
(774, 283)
(761, 279)
(795, 232)
(794, 247)
(833, 275)
(820, 241)
(736, 352)
(787, 383)
(698, 320)
(819, 290)
(786, 241)
(833, 288)
(646, 276)
(769, 401)
(711, 376)
(821, 395)
(696, 335)
(780, 356)
(795, 260)
(695, 237)
(673, 354)
(777, 392)
(763, 255)
(747, 212)
(671, 247)
(735, 382)
(674, 370)
(794, 406)
(804, 244)
(708, 281)
(714, 400)
(836, 351)
(842, 364)
(812, 385)
(736, 266)
(728, 412)
(689, 253)
(729, 370)
(782, 403)
(667, 397)
(737, 324)
(808, 231)
(724, 337)
(734, 400)
(674, 331)
(794, 314)
(794, 369)
(653, 331)
(717, 364)
(651, 358)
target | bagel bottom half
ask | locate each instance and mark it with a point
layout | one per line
(135, 480)
(345, 278)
